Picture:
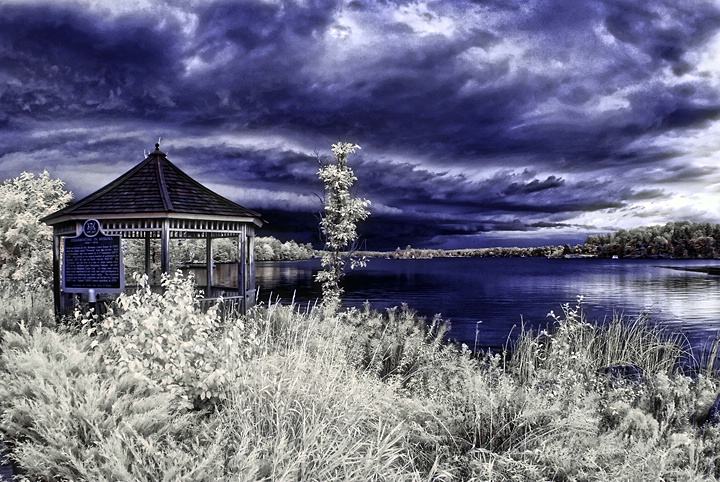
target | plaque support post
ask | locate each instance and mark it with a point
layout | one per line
(92, 301)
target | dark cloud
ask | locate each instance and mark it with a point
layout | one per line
(474, 116)
(271, 168)
(533, 186)
(681, 173)
(61, 63)
(645, 194)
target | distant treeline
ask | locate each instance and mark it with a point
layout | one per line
(680, 240)
(416, 253)
(268, 248)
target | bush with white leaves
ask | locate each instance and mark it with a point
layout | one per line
(167, 339)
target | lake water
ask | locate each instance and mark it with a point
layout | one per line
(502, 293)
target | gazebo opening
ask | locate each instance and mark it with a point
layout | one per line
(151, 207)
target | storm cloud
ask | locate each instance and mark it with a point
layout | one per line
(540, 118)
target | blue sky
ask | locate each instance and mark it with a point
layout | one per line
(481, 122)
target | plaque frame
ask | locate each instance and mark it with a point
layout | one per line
(97, 245)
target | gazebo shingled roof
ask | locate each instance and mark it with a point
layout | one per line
(155, 199)
(155, 186)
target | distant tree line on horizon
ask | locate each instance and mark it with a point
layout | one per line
(423, 253)
(680, 240)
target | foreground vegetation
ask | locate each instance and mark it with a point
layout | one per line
(161, 391)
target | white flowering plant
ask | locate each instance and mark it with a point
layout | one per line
(167, 339)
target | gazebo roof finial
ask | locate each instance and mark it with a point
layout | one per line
(157, 152)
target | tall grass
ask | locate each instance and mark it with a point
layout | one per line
(364, 395)
(291, 418)
(29, 307)
(67, 420)
(312, 406)
(576, 345)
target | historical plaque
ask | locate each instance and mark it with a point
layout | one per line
(93, 260)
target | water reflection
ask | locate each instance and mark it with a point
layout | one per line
(505, 292)
(286, 279)
(679, 299)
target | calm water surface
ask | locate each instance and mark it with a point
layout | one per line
(502, 293)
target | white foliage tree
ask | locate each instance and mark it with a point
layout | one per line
(338, 223)
(25, 243)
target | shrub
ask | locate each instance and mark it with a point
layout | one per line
(299, 417)
(314, 362)
(280, 329)
(30, 307)
(166, 338)
(68, 420)
(25, 242)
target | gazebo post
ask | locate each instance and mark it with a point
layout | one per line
(165, 247)
(209, 265)
(57, 298)
(242, 260)
(148, 259)
(250, 272)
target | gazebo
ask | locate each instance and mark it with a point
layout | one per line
(156, 200)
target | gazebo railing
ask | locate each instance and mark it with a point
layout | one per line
(230, 301)
(231, 306)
